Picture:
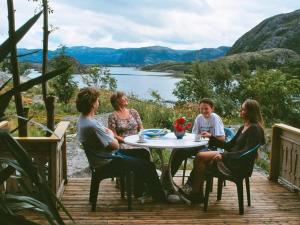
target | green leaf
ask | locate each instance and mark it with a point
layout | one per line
(9, 198)
(18, 202)
(14, 164)
(5, 47)
(6, 173)
(14, 219)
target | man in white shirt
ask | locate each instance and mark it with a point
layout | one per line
(206, 121)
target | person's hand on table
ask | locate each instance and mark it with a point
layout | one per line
(121, 139)
(205, 134)
(109, 132)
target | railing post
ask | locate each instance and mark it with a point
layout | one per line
(64, 159)
(275, 154)
(53, 168)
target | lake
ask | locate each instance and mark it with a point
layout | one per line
(139, 83)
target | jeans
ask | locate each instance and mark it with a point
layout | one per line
(139, 153)
(144, 174)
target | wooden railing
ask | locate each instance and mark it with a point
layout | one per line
(3, 125)
(285, 155)
(49, 155)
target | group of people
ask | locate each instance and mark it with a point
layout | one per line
(124, 122)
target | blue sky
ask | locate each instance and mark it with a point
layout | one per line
(178, 24)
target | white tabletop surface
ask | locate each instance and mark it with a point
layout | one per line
(168, 141)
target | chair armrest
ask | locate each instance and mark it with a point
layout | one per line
(248, 152)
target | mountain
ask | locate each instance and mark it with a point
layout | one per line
(129, 56)
(280, 31)
(268, 58)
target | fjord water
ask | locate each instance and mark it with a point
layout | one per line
(138, 82)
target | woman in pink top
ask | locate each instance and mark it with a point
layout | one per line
(125, 122)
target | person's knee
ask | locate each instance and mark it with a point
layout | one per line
(199, 159)
(200, 156)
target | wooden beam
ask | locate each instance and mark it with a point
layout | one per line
(4, 125)
(60, 129)
(287, 127)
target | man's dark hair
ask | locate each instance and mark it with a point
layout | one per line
(86, 98)
(207, 101)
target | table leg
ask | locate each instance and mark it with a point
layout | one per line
(163, 166)
(167, 179)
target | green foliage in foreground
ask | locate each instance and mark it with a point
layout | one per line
(36, 194)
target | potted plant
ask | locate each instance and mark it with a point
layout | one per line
(180, 125)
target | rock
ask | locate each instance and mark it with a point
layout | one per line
(37, 99)
(4, 76)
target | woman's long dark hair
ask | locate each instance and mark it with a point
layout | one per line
(253, 114)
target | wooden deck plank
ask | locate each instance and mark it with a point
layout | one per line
(271, 204)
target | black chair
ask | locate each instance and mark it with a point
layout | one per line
(222, 173)
(229, 134)
(126, 178)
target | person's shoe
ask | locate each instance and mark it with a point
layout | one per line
(145, 199)
(173, 198)
(195, 198)
(187, 188)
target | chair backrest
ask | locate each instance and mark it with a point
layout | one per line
(250, 151)
(93, 155)
(87, 154)
(229, 133)
(248, 158)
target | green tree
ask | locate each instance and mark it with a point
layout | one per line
(24, 67)
(275, 93)
(100, 77)
(292, 69)
(64, 85)
(209, 79)
(155, 95)
(196, 85)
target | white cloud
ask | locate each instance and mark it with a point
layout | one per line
(189, 24)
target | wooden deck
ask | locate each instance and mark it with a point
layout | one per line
(271, 204)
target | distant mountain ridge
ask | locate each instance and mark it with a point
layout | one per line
(129, 56)
(280, 31)
(268, 58)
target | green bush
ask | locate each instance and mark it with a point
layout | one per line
(64, 86)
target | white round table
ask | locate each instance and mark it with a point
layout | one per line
(167, 142)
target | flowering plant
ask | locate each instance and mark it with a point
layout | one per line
(180, 124)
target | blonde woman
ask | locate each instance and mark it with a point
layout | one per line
(125, 122)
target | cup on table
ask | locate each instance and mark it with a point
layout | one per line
(197, 137)
(141, 137)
